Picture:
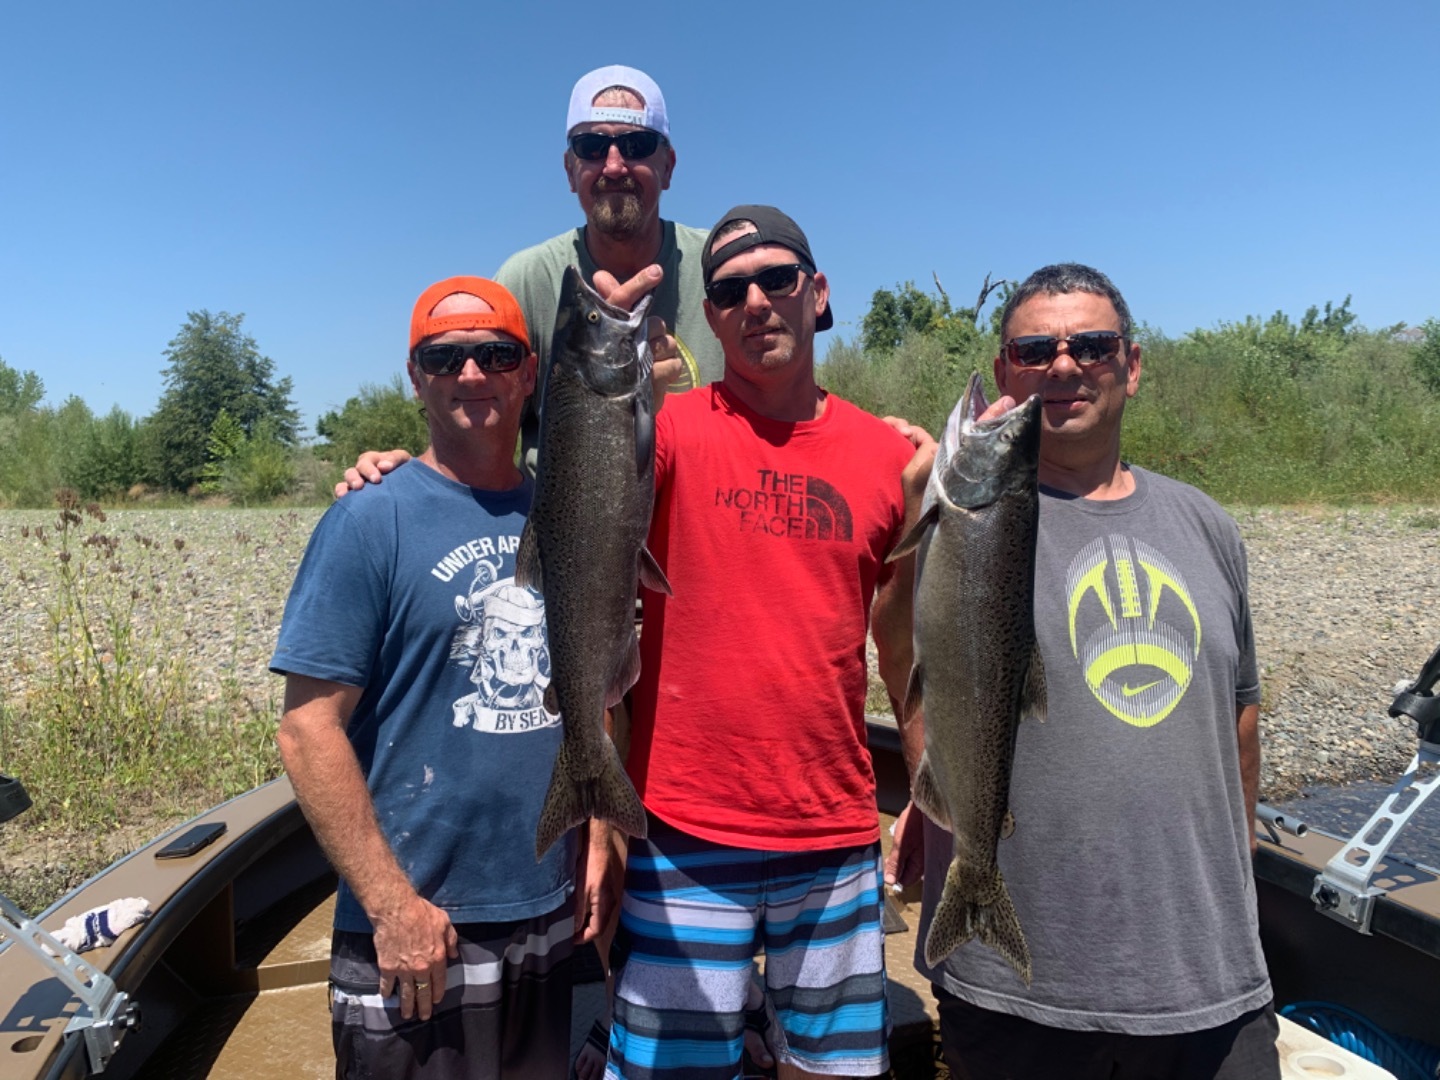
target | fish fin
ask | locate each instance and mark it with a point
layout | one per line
(914, 695)
(1034, 696)
(1007, 826)
(651, 576)
(628, 673)
(527, 561)
(552, 700)
(911, 540)
(925, 792)
(571, 800)
(961, 915)
(645, 424)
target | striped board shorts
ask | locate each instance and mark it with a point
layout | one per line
(694, 915)
(505, 1014)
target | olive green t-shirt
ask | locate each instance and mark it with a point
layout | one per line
(533, 276)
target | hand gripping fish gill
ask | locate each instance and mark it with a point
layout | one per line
(583, 546)
(977, 667)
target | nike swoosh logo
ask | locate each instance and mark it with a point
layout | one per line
(1129, 691)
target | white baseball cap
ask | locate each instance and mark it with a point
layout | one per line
(583, 111)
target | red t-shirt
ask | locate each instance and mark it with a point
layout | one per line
(748, 723)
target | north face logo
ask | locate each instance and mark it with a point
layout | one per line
(791, 505)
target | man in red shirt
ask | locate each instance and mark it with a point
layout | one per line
(776, 505)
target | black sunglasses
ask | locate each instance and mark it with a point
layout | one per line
(1089, 347)
(773, 281)
(634, 145)
(492, 356)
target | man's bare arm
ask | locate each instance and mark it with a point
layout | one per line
(1247, 732)
(892, 623)
(413, 938)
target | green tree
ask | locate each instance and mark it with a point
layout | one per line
(379, 416)
(28, 476)
(261, 468)
(108, 459)
(1427, 356)
(907, 311)
(227, 438)
(213, 365)
(20, 391)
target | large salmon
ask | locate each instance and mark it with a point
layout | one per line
(977, 668)
(583, 546)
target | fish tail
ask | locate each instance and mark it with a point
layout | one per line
(572, 800)
(966, 911)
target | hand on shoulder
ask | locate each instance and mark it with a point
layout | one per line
(369, 468)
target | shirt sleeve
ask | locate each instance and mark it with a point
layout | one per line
(334, 617)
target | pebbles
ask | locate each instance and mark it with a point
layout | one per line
(212, 580)
(1346, 603)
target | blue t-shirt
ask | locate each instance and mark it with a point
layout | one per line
(407, 590)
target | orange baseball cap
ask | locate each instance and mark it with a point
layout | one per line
(506, 316)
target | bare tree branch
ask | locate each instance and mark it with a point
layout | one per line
(943, 294)
(985, 290)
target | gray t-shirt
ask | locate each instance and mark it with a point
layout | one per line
(533, 276)
(1130, 861)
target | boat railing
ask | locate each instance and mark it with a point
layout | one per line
(106, 1012)
(1345, 889)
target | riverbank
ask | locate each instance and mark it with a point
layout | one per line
(1345, 603)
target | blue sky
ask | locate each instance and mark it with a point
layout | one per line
(316, 165)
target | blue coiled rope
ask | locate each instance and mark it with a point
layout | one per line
(1408, 1059)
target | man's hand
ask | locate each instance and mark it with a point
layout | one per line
(664, 347)
(599, 878)
(369, 467)
(999, 407)
(917, 472)
(905, 864)
(413, 946)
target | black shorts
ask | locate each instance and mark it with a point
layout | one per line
(505, 1014)
(983, 1045)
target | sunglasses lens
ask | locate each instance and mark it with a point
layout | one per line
(440, 359)
(635, 145)
(591, 146)
(1032, 351)
(727, 292)
(1094, 345)
(499, 355)
(778, 280)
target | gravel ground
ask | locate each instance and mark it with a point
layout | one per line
(1346, 603)
(224, 575)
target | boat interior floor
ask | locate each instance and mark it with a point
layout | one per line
(271, 1018)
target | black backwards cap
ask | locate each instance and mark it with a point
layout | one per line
(772, 226)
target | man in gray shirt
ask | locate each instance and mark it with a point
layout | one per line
(1130, 863)
(618, 159)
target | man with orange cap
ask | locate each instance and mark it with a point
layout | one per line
(414, 735)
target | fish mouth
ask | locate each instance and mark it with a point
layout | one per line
(966, 418)
(577, 297)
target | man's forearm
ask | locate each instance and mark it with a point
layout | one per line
(895, 652)
(332, 793)
(1247, 733)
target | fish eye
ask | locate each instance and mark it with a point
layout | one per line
(593, 316)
